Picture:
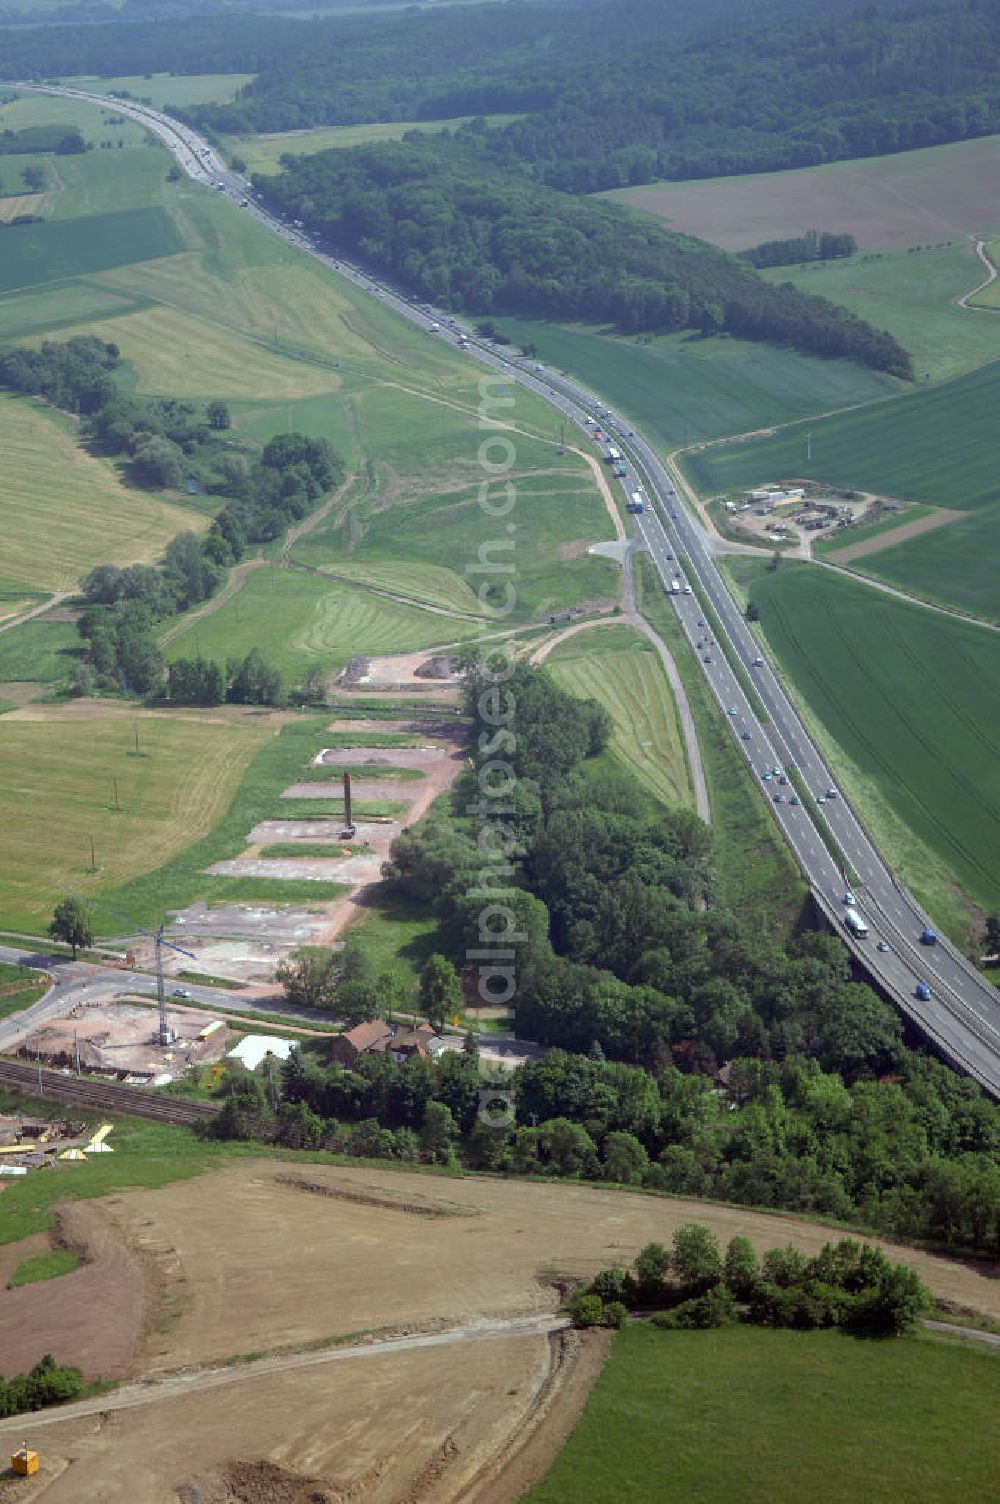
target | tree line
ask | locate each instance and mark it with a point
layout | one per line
(42, 138)
(431, 215)
(812, 246)
(612, 93)
(693, 1286)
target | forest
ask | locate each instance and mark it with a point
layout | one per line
(613, 92)
(432, 216)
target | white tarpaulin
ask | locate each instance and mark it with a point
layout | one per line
(254, 1047)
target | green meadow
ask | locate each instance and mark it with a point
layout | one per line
(752, 1415)
(622, 671)
(681, 388)
(910, 702)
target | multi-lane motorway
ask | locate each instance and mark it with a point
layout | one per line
(962, 1014)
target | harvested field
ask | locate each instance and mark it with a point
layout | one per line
(891, 536)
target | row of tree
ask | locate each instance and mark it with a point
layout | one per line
(432, 215)
(42, 138)
(849, 1285)
(812, 246)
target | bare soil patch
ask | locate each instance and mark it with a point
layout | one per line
(413, 1427)
(904, 199)
(91, 1317)
(580, 1356)
(894, 535)
(268, 1266)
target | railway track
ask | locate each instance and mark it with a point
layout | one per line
(78, 1091)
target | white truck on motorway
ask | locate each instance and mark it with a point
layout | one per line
(855, 923)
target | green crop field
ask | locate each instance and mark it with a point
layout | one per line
(300, 621)
(51, 488)
(263, 153)
(907, 198)
(622, 671)
(935, 445)
(58, 793)
(912, 701)
(954, 566)
(990, 296)
(46, 252)
(749, 1416)
(913, 295)
(681, 388)
(166, 88)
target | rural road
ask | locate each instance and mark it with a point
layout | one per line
(963, 301)
(196, 1380)
(959, 1011)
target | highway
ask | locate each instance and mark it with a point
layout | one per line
(962, 1016)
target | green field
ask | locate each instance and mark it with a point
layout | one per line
(751, 1416)
(558, 513)
(681, 388)
(955, 566)
(936, 445)
(622, 671)
(47, 252)
(161, 89)
(990, 296)
(39, 650)
(58, 793)
(912, 294)
(912, 701)
(300, 621)
(263, 153)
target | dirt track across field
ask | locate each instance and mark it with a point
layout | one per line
(894, 535)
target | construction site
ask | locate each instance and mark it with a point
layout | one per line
(119, 1040)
